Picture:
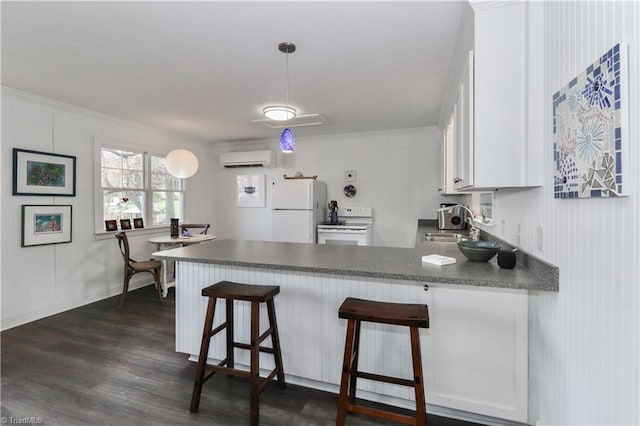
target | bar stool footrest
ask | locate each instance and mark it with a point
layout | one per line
(386, 379)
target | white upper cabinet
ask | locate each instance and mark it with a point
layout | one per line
(463, 169)
(498, 139)
(447, 151)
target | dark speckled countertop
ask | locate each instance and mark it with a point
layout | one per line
(365, 261)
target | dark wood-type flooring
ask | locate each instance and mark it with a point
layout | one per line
(97, 365)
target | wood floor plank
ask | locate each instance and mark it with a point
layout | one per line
(97, 365)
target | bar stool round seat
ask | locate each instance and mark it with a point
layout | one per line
(255, 294)
(414, 316)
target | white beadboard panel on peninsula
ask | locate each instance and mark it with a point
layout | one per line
(45, 280)
(584, 340)
(477, 338)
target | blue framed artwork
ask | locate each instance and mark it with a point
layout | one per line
(589, 123)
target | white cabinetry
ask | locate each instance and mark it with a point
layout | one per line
(447, 153)
(477, 350)
(474, 353)
(463, 169)
(497, 141)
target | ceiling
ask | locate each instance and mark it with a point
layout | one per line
(206, 69)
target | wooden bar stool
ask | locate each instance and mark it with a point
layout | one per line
(410, 315)
(255, 294)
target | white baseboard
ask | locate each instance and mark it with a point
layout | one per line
(26, 317)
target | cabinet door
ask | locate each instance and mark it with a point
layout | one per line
(478, 346)
(464, 157)
(499, 95)
(448, 156)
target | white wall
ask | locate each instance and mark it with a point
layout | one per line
(44, 280)
(397, 175)
(584, 340)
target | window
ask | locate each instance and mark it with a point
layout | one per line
(135, 184)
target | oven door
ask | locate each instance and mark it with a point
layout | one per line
(359, 237)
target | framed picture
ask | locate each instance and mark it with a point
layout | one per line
(41, 173)
(45, 225)
(111, 225)
(138, 223)
(125, 224)
(250, 191)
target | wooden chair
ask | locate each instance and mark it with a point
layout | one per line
(191, 226)
(132, 267)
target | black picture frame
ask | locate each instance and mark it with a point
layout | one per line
(111, 225)
(138, 222)
(43, 173)
(46, 224)
(125, 224)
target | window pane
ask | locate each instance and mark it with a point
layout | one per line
(174, 183)
(111, 178)
(157, 165)
(166, 205)
(158, 181)
(111, 158)
(132, 180)
(122, 204)
(132, 161)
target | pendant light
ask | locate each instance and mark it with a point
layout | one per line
(287, 139)
(181, 163)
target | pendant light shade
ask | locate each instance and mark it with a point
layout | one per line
(181, 163)
(287, 141)
(279, 113)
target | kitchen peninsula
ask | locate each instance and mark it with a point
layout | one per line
(477, 340)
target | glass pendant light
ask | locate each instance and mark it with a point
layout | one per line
(287, 140)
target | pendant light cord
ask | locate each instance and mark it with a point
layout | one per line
(287, 92)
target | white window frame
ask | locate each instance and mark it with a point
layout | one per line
(103, 143)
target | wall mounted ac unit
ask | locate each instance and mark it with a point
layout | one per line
(266, 158)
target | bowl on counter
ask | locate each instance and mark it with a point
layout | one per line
(479, 251)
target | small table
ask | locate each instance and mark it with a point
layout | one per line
(167, 240)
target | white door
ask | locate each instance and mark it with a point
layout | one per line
(294, 226)
(292, 194)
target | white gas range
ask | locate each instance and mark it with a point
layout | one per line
(354, 227)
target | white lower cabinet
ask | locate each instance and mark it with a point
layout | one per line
(478, 348)
(474, 353)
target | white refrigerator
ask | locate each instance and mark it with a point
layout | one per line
(298, 206)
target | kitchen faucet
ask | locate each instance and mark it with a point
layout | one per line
(473, 231)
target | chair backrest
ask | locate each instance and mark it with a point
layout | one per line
(192, 226)
(123, 243)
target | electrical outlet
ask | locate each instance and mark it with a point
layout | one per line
(518, 234)
(502, 226)
(350, 176)
(540, 238)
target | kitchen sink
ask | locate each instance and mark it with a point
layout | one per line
(445, 237)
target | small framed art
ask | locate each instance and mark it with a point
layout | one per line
(41, 173)
(250, 190)
(125, 224)
(45, 224)
(111, 225)
(138, 223)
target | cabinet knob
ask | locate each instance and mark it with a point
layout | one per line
(426, 287)
(457, 180)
